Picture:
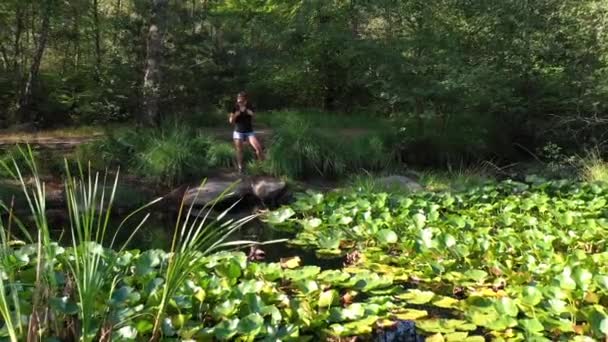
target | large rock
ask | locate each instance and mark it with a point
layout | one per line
(267, 188)
(213, 189)
(402, 182)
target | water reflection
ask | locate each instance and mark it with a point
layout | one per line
(157, 233)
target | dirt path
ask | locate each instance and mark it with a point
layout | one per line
(67, 141)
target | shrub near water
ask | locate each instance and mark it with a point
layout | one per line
(300, 149)
(169, 155)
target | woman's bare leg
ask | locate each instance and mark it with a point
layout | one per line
(255, 143)
(238, 146)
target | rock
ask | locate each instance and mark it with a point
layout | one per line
(267, 188)
(213, 188)
(400, 181)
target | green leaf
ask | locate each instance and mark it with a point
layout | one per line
(419, 220)
(279, 216)
(582, 277)
(476, 275)
(445, 302)
(144, 326)
(507, 306)
(532, 325)
(226, 329)
(410, 314)
(417, 297)
(456, 336)
(387, 236)
(251, 325)
(328, 298)
(307, 286)
(531, 296)
(64, 305)
(127, 332)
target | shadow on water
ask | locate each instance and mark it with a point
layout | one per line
(157, 233)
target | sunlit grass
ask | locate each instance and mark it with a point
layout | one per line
(593, 168)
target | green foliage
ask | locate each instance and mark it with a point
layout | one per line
(527, 260)
(301, 149)
(169, 155)
(594, 168)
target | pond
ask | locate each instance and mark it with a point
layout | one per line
(157, 233)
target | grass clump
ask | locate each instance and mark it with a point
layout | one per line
(169, 155)
(455, 179)
(300, 149)
(593, 168)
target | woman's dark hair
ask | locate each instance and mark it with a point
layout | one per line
(242, 94)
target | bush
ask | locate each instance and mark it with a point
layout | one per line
(300, 149)
(169, 155)
(593, 168)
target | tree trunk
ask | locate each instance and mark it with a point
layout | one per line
(18, 31)
(5, 59)
(97, 40)
(23, 105)
(152, 77)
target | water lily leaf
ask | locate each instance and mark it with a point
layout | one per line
(328, 298)
(128, 332)
(290, 263)
(279, 216)
(226, 308)
(359, 327)
(445, 302)
(306, 272)
(307, 286)
(417, 297)
(330, 240)
(582, 277)
(502, 323)
(387, 236)
(531, 296)
(147, 262)
(333, 277)
(476, 275)
(419, 220)
(435, 338)
(483, 318)
(560, 325)
(410, 314)
(449, 241)
(312, 223)
(63, 305)
(226, 329)
(507, 306)
(230, 269)
(345, 220)
(251, 324)
(601, 281)
(456, 336)
(558, 306)
(144, 326)
(200, 295)
(475, 339)
(350, 313)
(565, 279)
(531, 325)
(124, 295)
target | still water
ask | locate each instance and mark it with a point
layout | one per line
(157, 233)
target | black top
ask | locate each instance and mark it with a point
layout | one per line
(242, 123)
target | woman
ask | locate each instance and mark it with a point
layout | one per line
(241, 117)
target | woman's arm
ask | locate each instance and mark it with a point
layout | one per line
(233, 115)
